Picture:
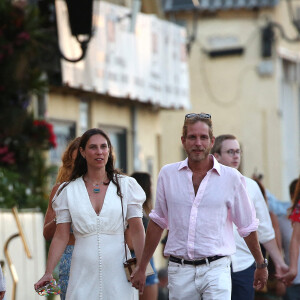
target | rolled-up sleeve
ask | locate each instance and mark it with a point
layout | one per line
(243, 212)
(135, 199)
(60, 205)
(159, 214)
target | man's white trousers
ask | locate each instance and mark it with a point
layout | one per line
(211, 281)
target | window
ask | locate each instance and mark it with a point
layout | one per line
(65, 131)
(83, 116)
(118, 138)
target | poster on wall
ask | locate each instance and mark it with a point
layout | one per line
(148, 65)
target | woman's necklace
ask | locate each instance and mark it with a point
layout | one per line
(96, 186)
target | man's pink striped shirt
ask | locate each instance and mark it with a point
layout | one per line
(201, 226)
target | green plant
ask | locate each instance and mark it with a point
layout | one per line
(24, 173)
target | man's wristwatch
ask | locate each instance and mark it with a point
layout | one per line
(263, 265)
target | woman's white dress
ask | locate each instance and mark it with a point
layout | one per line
(97, 270)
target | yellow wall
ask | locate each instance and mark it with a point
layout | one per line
(109, 112)
(241, 101)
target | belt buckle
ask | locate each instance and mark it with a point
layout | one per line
(206, 261)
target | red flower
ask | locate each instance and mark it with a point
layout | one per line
(22, 37)
(7, 156)
(48, 128)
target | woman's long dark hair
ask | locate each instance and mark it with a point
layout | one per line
(80, 164)
(296, 196)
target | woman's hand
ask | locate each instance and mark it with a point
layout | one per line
(2, 295)
(43, 281)
(288, 277)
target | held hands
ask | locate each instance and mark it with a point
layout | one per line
(138, 279)
(44, 280)
(281, 269)
(260, 278)
(288, 277)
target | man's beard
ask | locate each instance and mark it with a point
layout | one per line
(200, 157)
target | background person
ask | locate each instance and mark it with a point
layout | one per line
(274, 286)
(197, 200)
(151, 286)
(91, 201)
(163, 292)
(63, 175)
(227, 151)
(2, 285)
(292, 291)
(295, 240)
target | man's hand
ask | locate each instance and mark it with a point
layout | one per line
(138, 279)
(260, 278)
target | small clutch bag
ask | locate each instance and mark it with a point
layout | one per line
(49, 288)
(130, 265)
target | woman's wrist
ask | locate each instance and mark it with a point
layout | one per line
(51, 222)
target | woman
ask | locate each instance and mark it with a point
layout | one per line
(91, 201)
(151, 286)
(295, 240)
(63, 175)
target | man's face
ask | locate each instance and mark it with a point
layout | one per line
(197, 142)
(230, 154)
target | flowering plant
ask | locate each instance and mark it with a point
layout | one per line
(43, 132)
(24, 173)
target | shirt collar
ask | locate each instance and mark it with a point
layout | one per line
(184, 165)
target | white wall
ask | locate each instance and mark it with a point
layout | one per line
(28, 270)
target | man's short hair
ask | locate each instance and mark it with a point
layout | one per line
(218, 142)
(195, 119)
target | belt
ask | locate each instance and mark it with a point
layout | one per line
(195, 262)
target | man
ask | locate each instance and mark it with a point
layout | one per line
(227, 151)
(197, 200)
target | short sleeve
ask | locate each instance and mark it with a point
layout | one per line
(135, 198)
(60, 205)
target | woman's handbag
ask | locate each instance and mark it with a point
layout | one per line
(130, 264)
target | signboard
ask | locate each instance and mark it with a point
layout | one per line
(149, 65)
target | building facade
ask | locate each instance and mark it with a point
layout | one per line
(247, 78)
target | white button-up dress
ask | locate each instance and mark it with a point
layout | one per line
(97, 270)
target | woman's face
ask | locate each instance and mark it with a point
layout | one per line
(96, 151)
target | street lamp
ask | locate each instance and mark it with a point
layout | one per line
(80, 19)
(268, 31)
(294, 18)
